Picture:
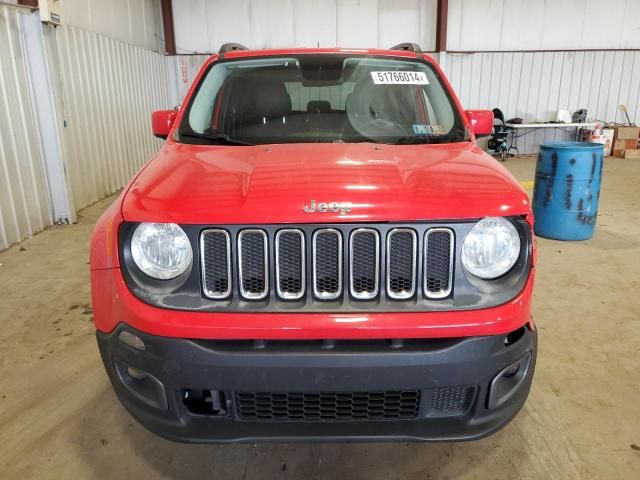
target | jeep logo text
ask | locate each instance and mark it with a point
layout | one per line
(333, 207)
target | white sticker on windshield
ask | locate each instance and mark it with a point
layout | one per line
(399, 78)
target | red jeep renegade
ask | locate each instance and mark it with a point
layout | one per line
(320, 250)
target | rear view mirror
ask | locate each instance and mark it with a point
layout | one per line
(481, 122)
(162, 121)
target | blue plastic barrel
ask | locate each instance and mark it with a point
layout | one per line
(567, 189)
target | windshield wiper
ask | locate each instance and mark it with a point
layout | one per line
(223, 138)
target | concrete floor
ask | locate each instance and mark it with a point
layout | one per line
(59, 417)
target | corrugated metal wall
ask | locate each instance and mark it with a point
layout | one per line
(137, 22)
(24, 197)
(535, 85)
(109, 89)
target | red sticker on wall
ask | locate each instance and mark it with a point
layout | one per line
(183, 68)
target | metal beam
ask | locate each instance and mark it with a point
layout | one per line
(441, 25)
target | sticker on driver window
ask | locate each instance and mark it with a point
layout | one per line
(399, 78)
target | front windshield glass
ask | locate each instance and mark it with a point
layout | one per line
(321, 98)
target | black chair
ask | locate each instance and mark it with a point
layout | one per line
(499, 140)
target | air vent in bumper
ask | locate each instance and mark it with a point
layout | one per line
(345, 406)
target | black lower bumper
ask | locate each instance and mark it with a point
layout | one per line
(193, 391)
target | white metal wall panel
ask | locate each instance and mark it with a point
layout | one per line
(481, 25)
(130, 21)
(202, 26)
(24, 198)
(535, 85)
(109, 89)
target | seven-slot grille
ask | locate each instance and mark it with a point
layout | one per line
(319, 262)
(328, 406)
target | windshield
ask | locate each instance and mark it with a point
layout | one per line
(321, 98)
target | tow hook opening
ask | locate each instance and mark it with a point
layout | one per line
(206, 402)
(507, 382)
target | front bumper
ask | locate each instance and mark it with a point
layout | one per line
(462, 392)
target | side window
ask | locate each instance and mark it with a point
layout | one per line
(438, 105)
(431, 115)
(201, 112)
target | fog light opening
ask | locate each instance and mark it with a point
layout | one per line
(132, 340)
(136, 374)
(511, 371)
(142, 385)
(508, 382)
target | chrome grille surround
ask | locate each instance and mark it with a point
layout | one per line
(205, 259)
(327, 295)
(443, 292)
(288, 295)
(403, 294)
(256, 295)
(367, 295)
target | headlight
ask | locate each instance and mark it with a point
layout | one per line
(161, 250)
(491, 248)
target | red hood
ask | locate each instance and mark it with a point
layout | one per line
(271, 184)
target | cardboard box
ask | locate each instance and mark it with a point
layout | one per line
(627, 133)
(630, 144)
(632, 153)
(607, 140)
(618, 148)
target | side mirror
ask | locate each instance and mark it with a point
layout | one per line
(481, 122)
(162, 121)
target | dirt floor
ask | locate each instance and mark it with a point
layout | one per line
(59, 417)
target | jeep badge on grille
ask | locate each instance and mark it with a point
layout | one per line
(333, 207)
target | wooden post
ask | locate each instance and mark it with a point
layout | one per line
(441, 26)
(167, 25)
